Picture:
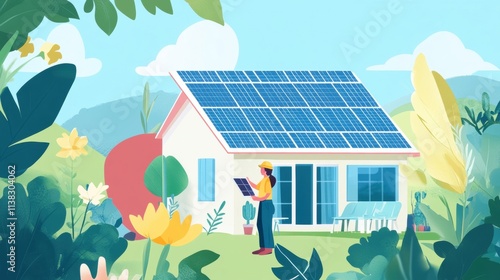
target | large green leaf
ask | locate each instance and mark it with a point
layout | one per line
(208, 9)
(105, 15)
(150, 6)
(442, 226)
(172, 172)
(292, 265)
(10, 110)
(474, 245)
(97, 240)
(165, 6)
(483, 269)
(88, 6)
(190, 267)
(410, 262)
(21, 155)
(41, 98)
(382, 242)
(127, 7)
(7, 47)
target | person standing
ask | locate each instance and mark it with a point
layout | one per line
(266, 208)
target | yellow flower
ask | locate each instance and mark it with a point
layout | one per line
(72, 145)
(157, 226)
(27, 48)
(50, 52)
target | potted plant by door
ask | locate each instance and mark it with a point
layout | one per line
(248, 211)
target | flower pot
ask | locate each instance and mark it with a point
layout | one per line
(421, 228)
(427, 228)
(248, 229)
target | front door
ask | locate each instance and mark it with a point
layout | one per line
(304, 194)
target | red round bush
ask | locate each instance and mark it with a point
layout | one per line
(124, 174)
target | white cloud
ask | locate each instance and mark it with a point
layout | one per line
(445, 54)
(202, 46)
(72, 49)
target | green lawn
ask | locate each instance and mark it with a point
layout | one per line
(237, 262)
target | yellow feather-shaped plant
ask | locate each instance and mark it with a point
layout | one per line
(435, 117)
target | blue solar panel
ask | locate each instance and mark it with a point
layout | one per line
(320, 95)
(271, 76)
(374, 119)
(244, 186)
(242, 140)
(251, 75)
(209, 76)
(232, 76)
(338, 119)
(262, 119)
(212, 95)
(297, 119)
(306, 140)
(391, 140)
(292, 109)
(333, 140)
(190, 76)
(361, 140)
(280, 95)
(276, 140)
(225, 119)
(355, 95)
(299, 76)
(245, 95)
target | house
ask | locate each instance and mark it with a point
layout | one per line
(330, 143)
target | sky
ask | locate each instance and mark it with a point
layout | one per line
(377, 40)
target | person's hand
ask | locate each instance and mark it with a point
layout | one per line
(255, 198)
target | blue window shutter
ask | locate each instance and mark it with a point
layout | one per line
(352, 183)
(206, 179)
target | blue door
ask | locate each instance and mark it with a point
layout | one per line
(304, 194)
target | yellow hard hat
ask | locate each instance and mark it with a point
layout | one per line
(266, 164)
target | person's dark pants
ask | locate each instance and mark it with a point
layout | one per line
(265, 224)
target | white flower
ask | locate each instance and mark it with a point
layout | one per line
(93, 194)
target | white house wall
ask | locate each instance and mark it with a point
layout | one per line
(189, 139)
(247, 165)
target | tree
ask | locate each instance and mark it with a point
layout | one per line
(25, 16)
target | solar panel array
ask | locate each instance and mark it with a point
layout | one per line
(292, 109)
(244, 186)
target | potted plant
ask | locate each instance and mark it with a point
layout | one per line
(248, 211)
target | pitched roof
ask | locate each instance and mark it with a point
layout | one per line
(290, 112)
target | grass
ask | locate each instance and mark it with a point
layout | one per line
(237, 262)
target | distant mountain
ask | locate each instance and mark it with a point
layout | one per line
(108, 124)
(468, 87)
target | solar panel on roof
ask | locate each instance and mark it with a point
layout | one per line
(391, 140)
(262, 119)
(333, 140)
(228, 119)
(374, 119)
(307, 140)
(276, 140)
(280, 95)
(361, 140)
(320, 95)
(242, 140)
(245, 95)
(299, 76)
(355, 95)
(297, 119)
(212, 95)
(292, 109)
(338, 119)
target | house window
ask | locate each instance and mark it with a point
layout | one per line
(282, 193)
(206, 179)
(326, 194)
(371, 183)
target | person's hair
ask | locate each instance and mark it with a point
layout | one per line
(269, 173)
